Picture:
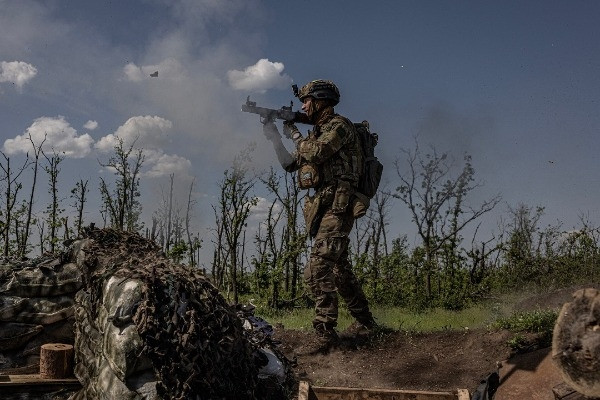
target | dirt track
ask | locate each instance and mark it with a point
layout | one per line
(435, 361)
(441, 361)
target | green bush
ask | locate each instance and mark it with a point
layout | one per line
(539, 321)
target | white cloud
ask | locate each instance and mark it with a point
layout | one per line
(133, 72)
(165, 164)
(260, 212)
(17, 72)
(56, 134)
(169, 68)
(149, 133)
(90, 125)
(260, 77)
(146, 132)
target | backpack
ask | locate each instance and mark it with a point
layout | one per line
(370, 177)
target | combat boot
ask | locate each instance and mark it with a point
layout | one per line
(325, 339)
(364, 327)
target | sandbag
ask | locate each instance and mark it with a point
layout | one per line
(122, 349)
(14, 334)
(110, 387)
(10, 306)
(43, 310)
(50, 278)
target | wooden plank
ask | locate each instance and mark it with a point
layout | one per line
(305, 392)
(463, 394)
(34, 380)
(303, 388)
(339, 393)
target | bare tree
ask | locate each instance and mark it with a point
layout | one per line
(37, 150)
(194, 243)
(10, 179)
(170, 213)
(437, 200)
(79, 196)
(41, 225)
(480, 255)
(269, 252)
(162, 218)
(53, 210)
(378, 217)
(122, 205)
(293, 239)
(232, 212)
(220, 255)
(169, 226)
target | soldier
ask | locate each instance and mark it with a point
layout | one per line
(328, 161)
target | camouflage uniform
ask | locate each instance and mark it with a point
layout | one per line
(333, 148)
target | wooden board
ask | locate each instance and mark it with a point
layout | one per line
(308, 392)
(563, 391)
(35, 380)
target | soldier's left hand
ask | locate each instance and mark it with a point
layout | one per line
(270, 130)
(291, 131)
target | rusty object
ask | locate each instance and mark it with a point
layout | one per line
(308, 392)
(56, 361)
(576, 342)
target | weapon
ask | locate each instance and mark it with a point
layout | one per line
(270, 115)
(487, 387)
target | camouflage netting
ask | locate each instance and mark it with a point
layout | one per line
(36, 307)
(142, 326)
(149, 328)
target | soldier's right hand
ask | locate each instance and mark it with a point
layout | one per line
(270, 130)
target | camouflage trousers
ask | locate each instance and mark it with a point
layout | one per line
(329, 272)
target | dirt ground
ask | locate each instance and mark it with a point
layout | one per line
(439, 361)
(434, 361)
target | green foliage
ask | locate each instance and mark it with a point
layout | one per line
(518, 343)
(178, 250)
(548, 257)
(402, 279)
(280, 245)
(538, 321)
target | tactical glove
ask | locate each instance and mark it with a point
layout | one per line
(270, 130)
(291, 131)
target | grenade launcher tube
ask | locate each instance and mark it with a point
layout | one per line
(270, 114)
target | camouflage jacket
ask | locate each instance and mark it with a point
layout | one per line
(333, 148)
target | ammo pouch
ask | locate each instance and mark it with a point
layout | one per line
(308, 176)
(342, 197)
(360, 205)
(312, 204)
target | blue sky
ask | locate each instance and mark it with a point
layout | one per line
(516, 84)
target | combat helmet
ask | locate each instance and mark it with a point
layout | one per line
(319, 89)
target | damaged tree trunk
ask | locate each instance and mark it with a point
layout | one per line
(56, 361)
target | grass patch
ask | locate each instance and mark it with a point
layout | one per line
(298, 318)
(436, 319)
(496, 314)
(396, 318)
